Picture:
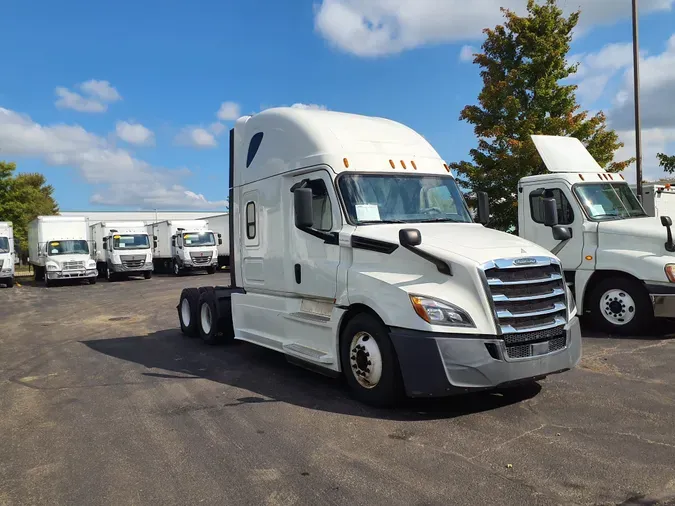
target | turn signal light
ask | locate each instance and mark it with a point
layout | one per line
(670, 272)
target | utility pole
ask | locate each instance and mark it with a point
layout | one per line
(636, 91)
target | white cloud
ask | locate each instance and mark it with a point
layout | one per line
(229, 111)
(654, 140)
(466, 53)
(370, 28)
(95, 96)
(126, 180)
(134, 133)
(216, 128)
(196, 137)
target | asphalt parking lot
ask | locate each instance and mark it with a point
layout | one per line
(103, 401)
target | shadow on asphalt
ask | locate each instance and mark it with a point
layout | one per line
(271, 378)
(662, 329)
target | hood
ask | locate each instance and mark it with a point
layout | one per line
(470, 240)
(638, 234)
(60, 259)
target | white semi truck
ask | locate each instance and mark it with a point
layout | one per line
(58, 249)
(121, 249)
(618, 260)
(7, 254)
(184, 245)
(352, 251)
(220, 224)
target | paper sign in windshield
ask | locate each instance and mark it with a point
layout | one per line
(367, 212)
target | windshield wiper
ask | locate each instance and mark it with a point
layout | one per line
(365, 222)
(440, 220)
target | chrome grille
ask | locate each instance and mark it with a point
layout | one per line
(198, 258)
(132, 262)
(530, 304)
(75, 265)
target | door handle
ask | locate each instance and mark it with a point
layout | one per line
(298, 273)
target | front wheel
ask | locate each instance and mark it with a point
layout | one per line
(147, 274)
(621, 305)
(369, 362)
(210, 270)
(176, 269)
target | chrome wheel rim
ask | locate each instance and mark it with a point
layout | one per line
(185, 312)
(617, 307)
(206, 318)
(365, 360)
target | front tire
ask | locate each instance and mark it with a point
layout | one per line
(210, 270)
(110, 275)
(176, 269)
(147, 274)
(369, 362)
(188, 311)
(621, 305)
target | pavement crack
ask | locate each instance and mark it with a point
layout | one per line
(508, 441)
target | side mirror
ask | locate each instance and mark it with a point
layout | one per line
(302, 201)
(220, 239)
(154, 243)
(561, 233)
(173, 241)
(483, 208)
(667, 222)
(550, 212)
(409, 237)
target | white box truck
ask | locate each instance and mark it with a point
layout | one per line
(184, 245)
(58, 249)
(353, 252)
(7, 254)
(220, 224)
(618, 260)
(657, 199)
(121, 249)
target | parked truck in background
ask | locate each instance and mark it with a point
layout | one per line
(352, 251)
(121, 249)
(220, 224)
(657, 199)
(7, 254)
(184, 245)
(58, 249)
(618, 260)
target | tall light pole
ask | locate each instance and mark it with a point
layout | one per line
(636, 91)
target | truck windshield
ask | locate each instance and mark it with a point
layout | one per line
(131, 241)
(379, 198)
(69, 247)
(199, 239)
(609, 201)
(4, 245)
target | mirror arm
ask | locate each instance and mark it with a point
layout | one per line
(560, 246)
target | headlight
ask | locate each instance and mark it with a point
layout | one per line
(670, 272)
(52, 267)
(572, 304)
(436, 312)
(92, 264)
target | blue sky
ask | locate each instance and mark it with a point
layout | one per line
(117, 103)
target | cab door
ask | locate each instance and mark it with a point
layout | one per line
(569, 215)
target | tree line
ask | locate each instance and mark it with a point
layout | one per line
(23, 197)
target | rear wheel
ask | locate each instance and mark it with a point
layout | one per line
(188, 311)
(369, 362)
(209, 328)
(621, 305)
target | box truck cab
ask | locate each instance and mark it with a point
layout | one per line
(657, 199)
(58, 249)
(121, 249)
(185, 245)
(7, 254)
(619, 261)
(353, 251)
(220, 224)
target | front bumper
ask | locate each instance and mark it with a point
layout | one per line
(435, 365)
(121, 268)
(88, 273)
(663, 300)
(194, 266)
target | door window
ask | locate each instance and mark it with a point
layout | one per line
(321, 205)
(565, 210)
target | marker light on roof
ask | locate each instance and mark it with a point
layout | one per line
(412, 162)
(393, 165)
(582, 177)
(346, 162)
(622, 177)
(403, 164)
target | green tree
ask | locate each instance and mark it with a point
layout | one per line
(522, 65)
(22, 198)
(667, 162)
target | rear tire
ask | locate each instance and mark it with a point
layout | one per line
(188, 311)
(209, 328)
(369, 362)
(621, 305)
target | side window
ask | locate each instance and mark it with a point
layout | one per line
(565, 210)
(323, 211)
(250, 220)
(253, 147)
